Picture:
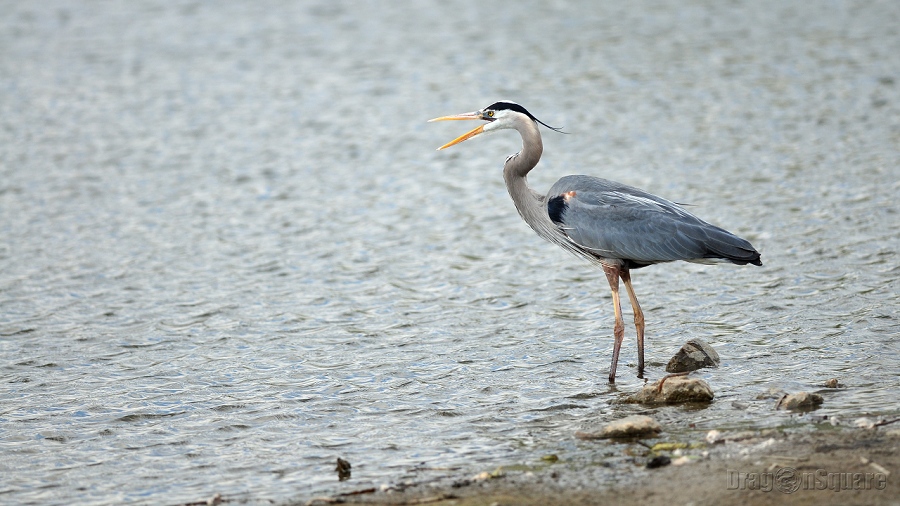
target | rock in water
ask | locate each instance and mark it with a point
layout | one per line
(695, 354)
(800, 401)
(343, 469)
(674, 390)
(628, 427)
(659, 461)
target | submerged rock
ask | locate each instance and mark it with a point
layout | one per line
(833, 383)
(674, 390)
(716, 437)
(771, 393)
(630, 426)
(695, 354)
(799, 401)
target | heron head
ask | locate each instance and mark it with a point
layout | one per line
(499, 115)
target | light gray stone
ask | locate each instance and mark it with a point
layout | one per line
(628, 427)
(800, 401)
(675, 390)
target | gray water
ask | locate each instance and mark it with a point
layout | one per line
(230, 252)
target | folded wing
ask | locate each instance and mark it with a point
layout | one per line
(616, 221)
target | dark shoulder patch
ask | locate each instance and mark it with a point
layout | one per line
(556, 208)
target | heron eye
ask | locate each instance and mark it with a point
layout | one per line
(490, 114)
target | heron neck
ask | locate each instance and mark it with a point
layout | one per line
(521, 163)
(529, 203)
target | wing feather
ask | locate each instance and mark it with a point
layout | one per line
(613, 220)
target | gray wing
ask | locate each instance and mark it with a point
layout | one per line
(612, 220)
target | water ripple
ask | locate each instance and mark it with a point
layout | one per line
(222, 272)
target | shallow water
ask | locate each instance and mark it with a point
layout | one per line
(231, 254)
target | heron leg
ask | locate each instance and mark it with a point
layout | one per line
(612, 275)
(638, 320)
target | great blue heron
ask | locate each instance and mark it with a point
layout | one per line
(611, 224)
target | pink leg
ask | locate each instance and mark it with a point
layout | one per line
(638, 320)
(612, 275)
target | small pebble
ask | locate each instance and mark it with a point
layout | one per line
(343, 469)
(630, 426)
(659, 461)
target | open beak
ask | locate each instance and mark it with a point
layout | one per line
(458, 117)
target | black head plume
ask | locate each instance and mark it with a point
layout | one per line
(512, 106)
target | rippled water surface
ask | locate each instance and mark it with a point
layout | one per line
(231, 254)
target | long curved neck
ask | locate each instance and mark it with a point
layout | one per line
(529, 203)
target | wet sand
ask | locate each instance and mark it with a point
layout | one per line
(831, 466)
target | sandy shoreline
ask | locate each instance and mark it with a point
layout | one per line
(844, 466)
